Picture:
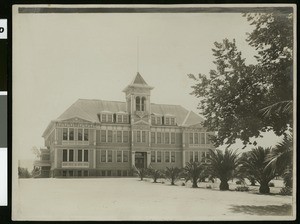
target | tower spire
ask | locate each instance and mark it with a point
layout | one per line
(137, 55)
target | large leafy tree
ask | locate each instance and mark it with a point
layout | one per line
(241, 101)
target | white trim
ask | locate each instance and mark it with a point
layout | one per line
(3, 93)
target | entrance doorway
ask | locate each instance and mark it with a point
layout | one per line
(140, 160)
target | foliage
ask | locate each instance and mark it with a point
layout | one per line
(280, 159)
(254, 165)
(271, 184)
(192, 172)
(23, 172)
(241, 101)
(286, 191)
(223, 165)
(154, 174)
(141, 172)
(173, 174)
(242, 188)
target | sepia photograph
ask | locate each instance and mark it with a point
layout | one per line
(154, 112)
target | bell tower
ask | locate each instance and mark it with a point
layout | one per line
(137, 95)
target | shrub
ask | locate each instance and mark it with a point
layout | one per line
(208, 186)
(286, 191)
(183, 184)
(242, 188)
(192, 172)
(238, 182)
(271, 184)
(172, 174)
(154, 174)
(141, 172)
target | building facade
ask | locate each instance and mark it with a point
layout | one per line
(109, 138)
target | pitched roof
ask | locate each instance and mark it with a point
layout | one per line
(138, 79)
(88, 110)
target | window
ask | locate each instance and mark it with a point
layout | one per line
(143, 136)
(138, 103)
(173, 157)
(79, 173)
(158, 120)
(125, 118)
(109, 118)
(65, 134)
(196, 138)
(159, 156)
(109, 156)
(103, 117)
(167, 138)
(172, 121)
(109, 173)
(202, 138)
(86, 134)
(79, 155)
(86, 155)
(119, 156)
(158, 137)
(119, 118)
(125, 156)
(191, 138)
(119, 136)
(152, 156)
(79, 135)
(65, 155)
(109, 136)
(64, 173)
(71, 173)
(203, 157)
(152, 137)
(167, 157)
(71, 155)
(103, 173)
(138, 136)
(71, 134)
(124, 173)
(196, 157)
(125, 136)
(191, 157)
(152, 120)
(173, 138)
(103, 156)
(119, 173)
(103, 135)
(167, 121)
(85, 173)
(143, 104)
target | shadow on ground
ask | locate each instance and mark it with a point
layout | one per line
(278, 210)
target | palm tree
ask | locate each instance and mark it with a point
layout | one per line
(155, 174)
(172, 174)
(280, 159)
(254, 165)
(192, 172)
(223, 165)
(141, 172)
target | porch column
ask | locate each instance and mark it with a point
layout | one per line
(148, 159)
(94, 157)
(133, 158)
(183, 158)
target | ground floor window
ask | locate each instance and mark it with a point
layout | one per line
(79, 173)
(85, 173)
(119, 173)
(103, 173)
(109, 173)
(71, 173)
(64, 173)
(124, 173)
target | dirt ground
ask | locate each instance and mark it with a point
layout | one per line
(131, 199)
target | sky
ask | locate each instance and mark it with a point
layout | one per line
(59, 58)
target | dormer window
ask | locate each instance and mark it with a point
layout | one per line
(169, 119)
(103, 117)
(109, 118)
(106, 117)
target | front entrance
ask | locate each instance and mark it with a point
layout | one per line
(140, 160)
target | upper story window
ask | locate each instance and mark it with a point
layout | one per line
(169, 120)
(121, 117)
(106, 117)
(69, 134)
(140, 103)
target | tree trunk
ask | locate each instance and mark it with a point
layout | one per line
(195, 182)
(264, 188)
(252, 182)
(172, 182)
(224, 185)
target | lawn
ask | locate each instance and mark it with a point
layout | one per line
(131, 199)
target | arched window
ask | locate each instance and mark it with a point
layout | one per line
(143, 103)
(138, 103)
